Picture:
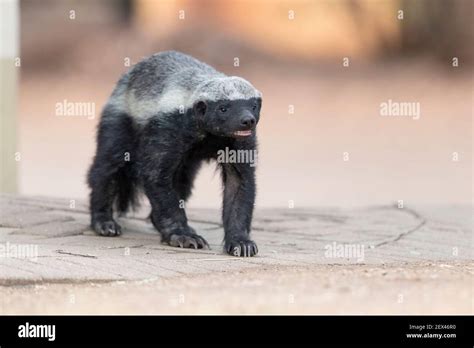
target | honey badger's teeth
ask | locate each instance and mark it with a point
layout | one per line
(244, 133)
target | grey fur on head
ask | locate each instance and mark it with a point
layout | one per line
(169, 81)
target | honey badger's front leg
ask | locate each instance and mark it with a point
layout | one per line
(158, 168)
(239, 198)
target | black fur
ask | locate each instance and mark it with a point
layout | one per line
(165, 154)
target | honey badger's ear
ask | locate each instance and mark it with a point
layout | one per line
(200, 108)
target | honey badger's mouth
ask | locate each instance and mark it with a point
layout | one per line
(243, 133)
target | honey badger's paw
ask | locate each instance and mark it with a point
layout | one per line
(107, 228)
(186, 240)
(243, 248)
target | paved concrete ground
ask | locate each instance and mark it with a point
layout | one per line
(372, 260)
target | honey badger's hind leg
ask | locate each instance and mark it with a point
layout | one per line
(111, 176)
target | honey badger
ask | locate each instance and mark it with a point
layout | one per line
(166, 115)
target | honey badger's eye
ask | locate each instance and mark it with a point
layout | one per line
(222, 109)
(254, 107)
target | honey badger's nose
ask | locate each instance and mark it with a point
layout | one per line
(247, 121)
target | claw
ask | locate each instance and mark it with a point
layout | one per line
(176, 241)
(107, 228)
(204, 242)
(189, 241)
(245, 248)
(200, 243)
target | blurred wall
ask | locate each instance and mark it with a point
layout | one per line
(9, 37)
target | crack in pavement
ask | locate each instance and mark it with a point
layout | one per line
(410, 231)
(41, 223)
(74, 254)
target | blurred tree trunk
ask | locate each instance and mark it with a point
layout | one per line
(438, 26)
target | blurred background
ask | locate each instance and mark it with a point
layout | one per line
(324, 68)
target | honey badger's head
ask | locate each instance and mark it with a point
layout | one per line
(227, 106)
